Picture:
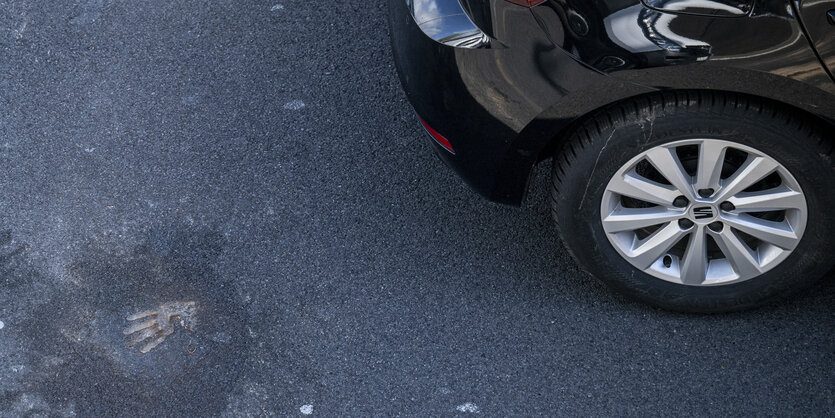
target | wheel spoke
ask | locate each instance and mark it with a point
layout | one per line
(711, 158)
(694, 265)
(666, 162)
(638, 187)
(776, 233)
(753, 170)
(766, 200)
(656, 245)
(738, 254)
(630, 219)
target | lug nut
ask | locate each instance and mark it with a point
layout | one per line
(716, 226)
(680, 202)
(705, 192)
(727, 206)
(685, 223)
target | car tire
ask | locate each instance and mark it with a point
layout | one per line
(602, 145)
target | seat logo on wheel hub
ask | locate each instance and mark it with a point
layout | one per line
(705, 212)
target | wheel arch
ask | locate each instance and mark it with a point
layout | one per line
(546, 135)
(565, 130)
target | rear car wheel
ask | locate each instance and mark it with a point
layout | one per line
(698, 201)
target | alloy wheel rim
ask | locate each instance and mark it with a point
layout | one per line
(703, 212)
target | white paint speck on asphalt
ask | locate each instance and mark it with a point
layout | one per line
(467, 407)
(306, 409)
(276, 7)
(294, 105)
(18, 34)
(2, 325)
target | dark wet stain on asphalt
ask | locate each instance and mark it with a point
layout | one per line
(75, 336)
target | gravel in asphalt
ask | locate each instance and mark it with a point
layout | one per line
(259, 159)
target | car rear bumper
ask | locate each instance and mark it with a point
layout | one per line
(491, 82)
(461, 83)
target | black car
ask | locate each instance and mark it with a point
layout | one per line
(691, 140)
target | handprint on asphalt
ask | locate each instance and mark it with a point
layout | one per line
(157, 325)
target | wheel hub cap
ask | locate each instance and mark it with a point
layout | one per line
(703, 212)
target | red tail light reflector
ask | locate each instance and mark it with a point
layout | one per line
(437, 136)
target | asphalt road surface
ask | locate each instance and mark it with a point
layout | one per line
(258, 162)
